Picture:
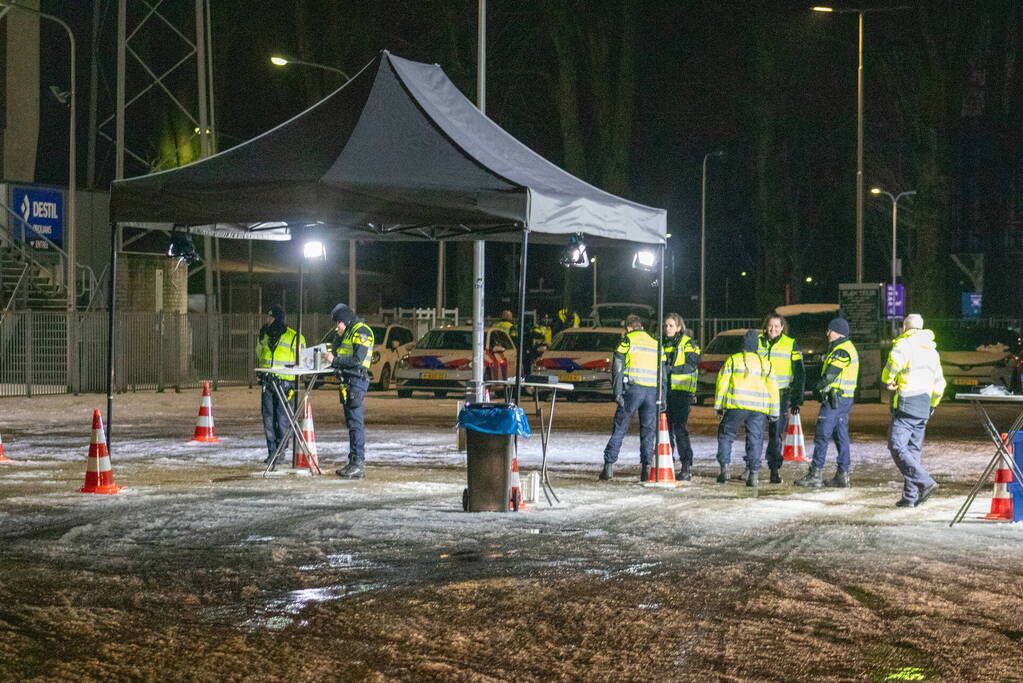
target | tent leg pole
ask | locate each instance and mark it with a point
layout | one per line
(111, 306)
(520, 370)
(478, 330)
(658, 334)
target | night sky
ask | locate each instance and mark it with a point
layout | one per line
(772, 84)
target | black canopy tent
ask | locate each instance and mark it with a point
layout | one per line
(396, 153)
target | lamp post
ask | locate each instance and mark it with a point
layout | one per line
(69, 238)
(859, 124)
(895, 221)
(278, 60)
(703, 245)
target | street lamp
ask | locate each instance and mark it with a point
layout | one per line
(278, 60)
(72, 182)
(895, 217)
(859, 124)
(703, 244)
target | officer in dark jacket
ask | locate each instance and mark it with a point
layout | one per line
(352, 356)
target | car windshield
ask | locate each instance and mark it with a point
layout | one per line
(379, 333)
(615, 315)
(586, 341)
(446, 339)
(974, 338)
(725, 344)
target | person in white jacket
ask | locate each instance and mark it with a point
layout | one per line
(914, 373)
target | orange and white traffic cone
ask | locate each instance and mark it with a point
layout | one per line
(794, 449)
(515, 500)
(309, 463)
(204, 423)
(663, 473)
(3, 458)
(1001, 499)
(99, 476)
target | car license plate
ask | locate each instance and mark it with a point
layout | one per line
(966, 381)
(569, 377)
(434, 374)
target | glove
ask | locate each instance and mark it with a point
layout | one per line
(693, 399)
(721, 413)
(620, 400)
(772, 418)
(794, 410)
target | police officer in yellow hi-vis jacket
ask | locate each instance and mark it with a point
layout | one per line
(914, 372)
(276, 346)
(682, 358)
(634, 370)
(835, 390)
(745, 394)
(352, 356)
(786, 361)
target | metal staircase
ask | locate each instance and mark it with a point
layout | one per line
(28, 281)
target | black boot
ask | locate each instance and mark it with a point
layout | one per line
(751, 479)
(745, 474)
(839, 481)
(775, 476)
(353, 470)
(607, 474)
(723, 476)
(685, 475)
(812, 479)
(644, 474)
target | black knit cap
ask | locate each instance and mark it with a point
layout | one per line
(277, 311)
(839, 326)
(751, 341)
(342, 313)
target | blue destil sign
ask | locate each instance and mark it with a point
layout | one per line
(42, 213)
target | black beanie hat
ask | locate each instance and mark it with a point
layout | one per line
(751, 341)
(839, 326)
(277, 311)
(342, 314)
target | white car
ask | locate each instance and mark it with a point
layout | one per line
(442, 361)
(974, 357)
(613, 314)
(581, 356)
(390, 344)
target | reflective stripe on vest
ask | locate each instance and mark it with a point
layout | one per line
(684, 381)
(281, 354)
(782, 355)
(745, 382)
(846, 380)
(641, 358)
(359, 334)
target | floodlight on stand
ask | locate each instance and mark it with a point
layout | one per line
(314, 250)
(644, 259)
(182, 248)
(575, 255)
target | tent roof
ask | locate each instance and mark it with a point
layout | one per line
(396, 153)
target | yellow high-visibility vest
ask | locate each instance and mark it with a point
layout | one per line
(359, 334)
(745, 382)
(782, 354)
(846, 380)
(281, 354)
(679, 380)
(640, 350)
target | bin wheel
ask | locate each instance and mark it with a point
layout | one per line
(465, 500)
(514, 500)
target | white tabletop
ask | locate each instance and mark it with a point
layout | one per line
(292, 370)
(991, 398)
(538, 385)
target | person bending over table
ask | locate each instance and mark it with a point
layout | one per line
(352, 356)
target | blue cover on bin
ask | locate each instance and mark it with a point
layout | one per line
(494, 418)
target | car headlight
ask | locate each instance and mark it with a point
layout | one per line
(376, 356)
(403, 363)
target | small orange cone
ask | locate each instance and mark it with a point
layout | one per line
(312, 461)
(663, 473)
(515, 501)
(794, 449)
(204, 423)
(99, 476)
(1001, 500)
(3, 458)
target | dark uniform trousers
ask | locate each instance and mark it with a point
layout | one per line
(776, 432)
(905, 442)
(728, 429)
(275, 417)
(644, 401)
(833, 423)
(353, 402)
(679, 403)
